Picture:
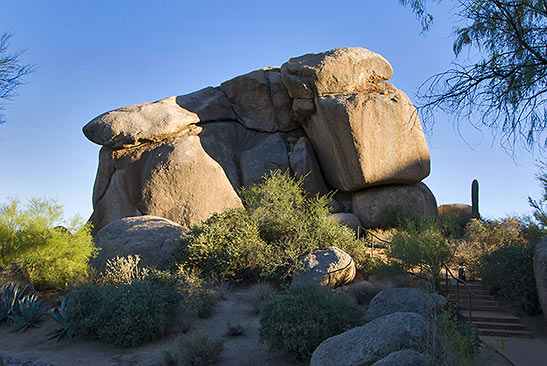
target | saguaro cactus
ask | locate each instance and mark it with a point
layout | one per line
(475, 199)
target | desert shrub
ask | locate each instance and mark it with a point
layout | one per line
(227, 244)
(278, 225)
(31, 239)
(195, 350)
(298, 320)
(483, 237)
(122, 270)
(459, 343)
(423, 247)
(126, 315)
(509, 271)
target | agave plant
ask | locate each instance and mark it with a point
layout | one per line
(27, 313)
(11, 294)
(58, 314)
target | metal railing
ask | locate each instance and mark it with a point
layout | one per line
(361, 230)
(458, 281)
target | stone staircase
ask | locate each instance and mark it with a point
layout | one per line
(487, 315)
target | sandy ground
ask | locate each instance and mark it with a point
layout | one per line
(238, 350)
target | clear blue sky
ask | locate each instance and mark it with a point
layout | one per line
(94, 56)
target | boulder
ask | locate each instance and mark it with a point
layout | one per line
(267, 155)
(406, 357)
(367, 344)
(404, 300)
(304, 164)
(369, 204)
(260, 100)
(342, 70)
(347, 219)
(140, 123)
(540, 272)
(173, 179)
(209, 104)
(456, 209)
(329, 117)
(152, 238)
(329, 267)
(370, 138)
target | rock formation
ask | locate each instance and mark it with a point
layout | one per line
(329, 117)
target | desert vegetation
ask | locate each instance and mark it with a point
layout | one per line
(256, 248)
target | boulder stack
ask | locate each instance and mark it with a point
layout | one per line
(329, 116)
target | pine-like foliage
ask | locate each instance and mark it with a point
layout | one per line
(502, 83)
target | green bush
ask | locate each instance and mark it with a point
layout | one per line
(460, 342)
(397, 217)
(227, 244)
(279, 224)
(418, 246)
(126, 315)
(31, 239)
(304, 316)
(509, 271)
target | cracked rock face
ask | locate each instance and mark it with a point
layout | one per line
(329, 117)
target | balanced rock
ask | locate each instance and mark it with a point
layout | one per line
(367, 344)
(406, 357)
(140, 123)
(342, 70)
(329, 267)
(370, 204)
(404, 300)
(540, 272)
(328, 117)
(152, 238)
(370, 138)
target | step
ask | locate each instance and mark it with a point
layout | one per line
(505, 333)
(471, 285)
(491, 309)
(465, 297)
(486, 316)
(475, 302)
(464, 292)
(502, 326)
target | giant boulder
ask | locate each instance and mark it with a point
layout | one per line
(328, 117)
(370, 204)
(152, 238)
(365, 345)
(369, 138)
(404, 300)
(342, 70)
(174, 179)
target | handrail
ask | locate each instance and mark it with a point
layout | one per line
(447, 271)
(458, 281)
